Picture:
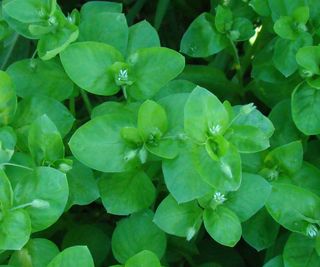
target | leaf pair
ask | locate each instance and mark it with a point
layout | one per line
(41, 20)
(118, 145)
(208, 35)
(222, 214)
(32, 206)
(101, 69)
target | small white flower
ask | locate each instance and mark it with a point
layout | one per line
(123, 75)
(312, 230)
(273, 175)
(247, 109)
(219, 198)
(215, 129)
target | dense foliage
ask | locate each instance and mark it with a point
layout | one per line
(117, 151)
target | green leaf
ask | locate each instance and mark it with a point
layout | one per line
(8, 140)
(121, 193)
(37, 252)
(284, 27)
(15, 173)
(37, 77)
(144, 235)
(45, 204)
(202, 76)
(54, 43)
(243, 29)
(83, 187)
(285, 129)
(250, 197)
(223, 19)
(172, 88)
(261, 7)
(45, 142)
(109, 28)
(300, 251)
(301, 14)
(293, 207)
(304, 104)
(203, 113)
(181, 177)
(307, 177)
(91, 235)
(30, 109)
(285, 51)
(174, 107)
(153, 68)
(202, 38)
(142, 35)
(6, 194)
(15, 230)
(26, 11)
(308, 58)
(253, 118)
(111, 107)
(99, 145)
(144, 258)
(286, 159)
(222, 225)
(260, 231)
(275, 262)
(223, 174)
(178, 219)
(167, 148)
(247, 139)
(88, 65)
(77, 255)
(152, 121)
(92, 8)
(8, 99)
(284, 7)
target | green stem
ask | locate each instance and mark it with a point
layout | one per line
(16, 165)
(247, 58)
(237, 60)
(132, 14)
(72, 106)
(86, 100)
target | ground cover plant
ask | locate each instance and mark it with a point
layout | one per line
(160, 133)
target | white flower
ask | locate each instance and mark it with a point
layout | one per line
(123, 75)
(219, 198)
(273, 175)
(215, 129)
